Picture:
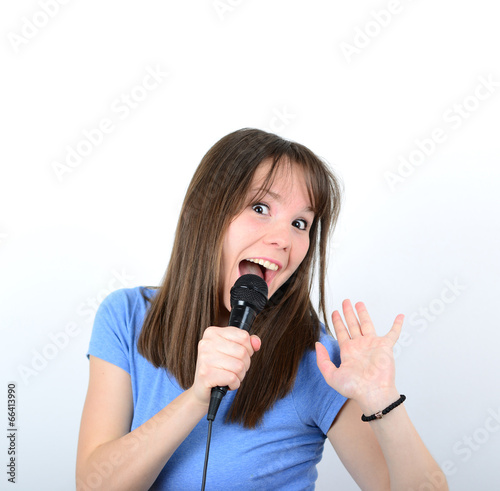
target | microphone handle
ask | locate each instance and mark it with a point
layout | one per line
(242, 316)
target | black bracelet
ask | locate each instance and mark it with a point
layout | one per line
(379, 414)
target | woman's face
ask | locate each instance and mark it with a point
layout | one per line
(273, 231)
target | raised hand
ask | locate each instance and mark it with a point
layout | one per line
(367, 369)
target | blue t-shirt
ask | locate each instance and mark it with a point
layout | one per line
(281, 453)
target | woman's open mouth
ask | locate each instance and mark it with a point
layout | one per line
(263, 268)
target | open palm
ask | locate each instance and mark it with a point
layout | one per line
(367, 361)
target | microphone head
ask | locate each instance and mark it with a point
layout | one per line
(252, 289)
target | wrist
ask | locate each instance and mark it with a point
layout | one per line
(378, 400)
(200, 403)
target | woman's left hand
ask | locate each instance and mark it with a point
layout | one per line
(367, 369)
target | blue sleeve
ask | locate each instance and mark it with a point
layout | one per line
(110, 334)
(316, 402)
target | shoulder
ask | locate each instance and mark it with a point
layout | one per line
(117, 323)
(124, 306)
(124, 309)
(127, 299)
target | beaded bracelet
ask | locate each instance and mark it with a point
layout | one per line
(379, 414)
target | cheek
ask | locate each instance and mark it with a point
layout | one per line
(230, 251)
(301, 250)
(230, 247)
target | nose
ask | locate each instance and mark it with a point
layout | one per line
(279, 235)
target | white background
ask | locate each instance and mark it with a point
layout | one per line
(276, 65)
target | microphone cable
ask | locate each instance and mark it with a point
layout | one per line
(207, 451)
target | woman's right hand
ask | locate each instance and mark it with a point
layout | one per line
(223, 359)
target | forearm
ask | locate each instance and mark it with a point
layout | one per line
(134, 461)
(409, 462)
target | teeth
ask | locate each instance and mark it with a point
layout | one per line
(266, 264)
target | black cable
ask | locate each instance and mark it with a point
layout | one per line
(207, 450)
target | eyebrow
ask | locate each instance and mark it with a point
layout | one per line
(279, 199)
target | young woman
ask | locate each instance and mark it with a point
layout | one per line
(257, 204)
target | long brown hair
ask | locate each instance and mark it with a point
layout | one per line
(288, 325)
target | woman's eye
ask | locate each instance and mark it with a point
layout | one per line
(300, 224)
(261, 209)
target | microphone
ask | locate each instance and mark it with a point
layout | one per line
(248, 298)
